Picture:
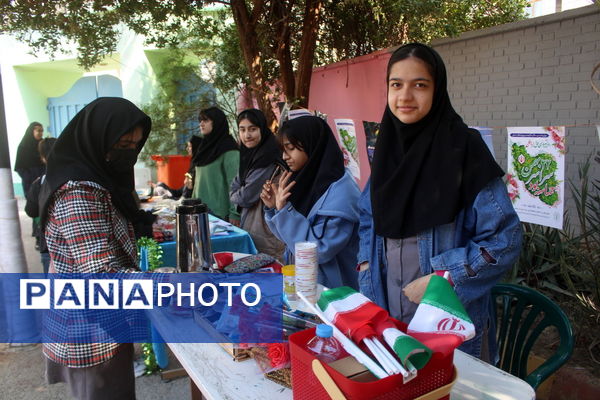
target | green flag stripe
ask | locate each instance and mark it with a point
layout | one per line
(331, 295)
(436, 295)
(408, 347)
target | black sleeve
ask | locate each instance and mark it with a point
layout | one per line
(177, 192)
(186, 192)
(142, 226)
(32, 197)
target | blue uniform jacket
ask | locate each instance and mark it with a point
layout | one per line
(332, 223)
(491, 223)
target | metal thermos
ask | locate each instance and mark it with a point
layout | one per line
(193, 237)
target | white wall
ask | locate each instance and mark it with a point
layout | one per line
(26, 101)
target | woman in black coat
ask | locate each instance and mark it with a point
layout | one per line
(28, 165)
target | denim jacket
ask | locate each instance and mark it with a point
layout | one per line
(332, 223)
(490, 225)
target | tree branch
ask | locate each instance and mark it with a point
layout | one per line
(307, 50)
(282, 48)
(252, 57)
(257, 10)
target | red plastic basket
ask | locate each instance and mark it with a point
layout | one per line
(306, 386)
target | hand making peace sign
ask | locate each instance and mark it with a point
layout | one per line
(276, 195)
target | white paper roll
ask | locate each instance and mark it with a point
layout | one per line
(307, 268)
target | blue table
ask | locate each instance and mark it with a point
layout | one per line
(238, 241)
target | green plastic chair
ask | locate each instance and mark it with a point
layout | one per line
(522, 314)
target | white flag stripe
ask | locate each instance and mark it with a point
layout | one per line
(432, 319)
(391, 334)
(346, 304)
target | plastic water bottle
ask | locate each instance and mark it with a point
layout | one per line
(324, 346)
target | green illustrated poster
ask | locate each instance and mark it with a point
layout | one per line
(536, 169)
(347, 138)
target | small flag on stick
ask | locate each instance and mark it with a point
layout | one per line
(356, 315)
(441, 312)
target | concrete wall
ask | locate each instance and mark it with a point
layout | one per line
(534, 72)
(531, 73)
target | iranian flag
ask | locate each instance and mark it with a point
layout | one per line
(441, 312)
(358, 317)
(405, 346)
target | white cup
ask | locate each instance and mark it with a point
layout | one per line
(307, 269)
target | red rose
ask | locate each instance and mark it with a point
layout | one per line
(279, 354)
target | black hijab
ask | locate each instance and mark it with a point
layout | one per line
(267, 152)
(216, 142)
(195, 142)
(424, 173)
(27, 152)
(325, 163)
(80, 152)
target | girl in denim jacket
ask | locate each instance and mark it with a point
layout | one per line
(316, 201)
(435, 202)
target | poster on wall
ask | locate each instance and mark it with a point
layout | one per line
(536, 173)
(347, 135)
(371, 132)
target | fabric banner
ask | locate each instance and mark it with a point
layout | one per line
(536, 173)
(347, 137)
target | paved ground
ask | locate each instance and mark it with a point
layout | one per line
(22, 369)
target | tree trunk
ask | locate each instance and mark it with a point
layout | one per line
(281, 16)
(307, 51)
(246, 27)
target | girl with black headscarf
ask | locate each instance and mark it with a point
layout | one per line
(28, 164)
(87, 208)
(216, 161)
(259, 157)
(435, 202)
(316, 201)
